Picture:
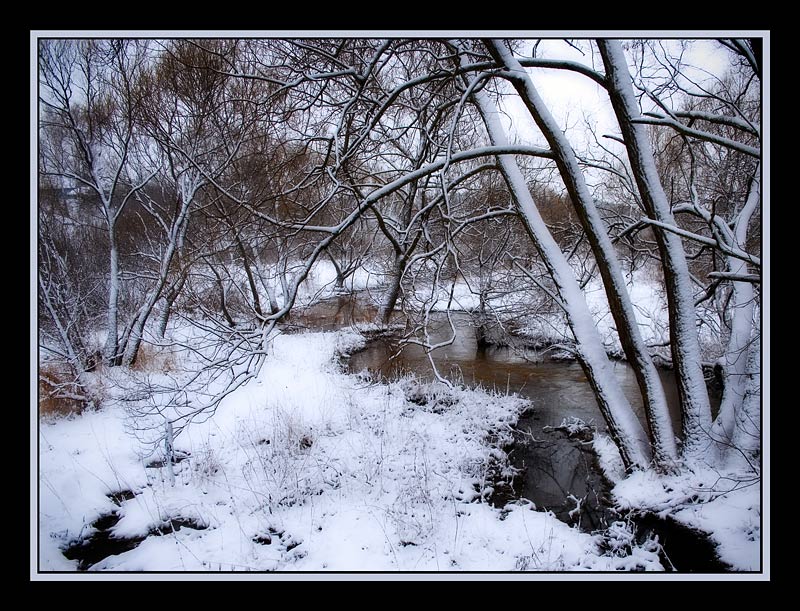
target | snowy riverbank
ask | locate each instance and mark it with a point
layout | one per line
(308, 468)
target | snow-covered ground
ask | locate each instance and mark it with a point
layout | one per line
(726, 505)
(308, 468)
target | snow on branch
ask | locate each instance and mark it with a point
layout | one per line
(738, 254)
(751, 278)
(658, 119)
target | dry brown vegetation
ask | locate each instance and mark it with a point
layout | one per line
(152, 358)
(57, 394)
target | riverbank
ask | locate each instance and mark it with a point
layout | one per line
(309, 469)
(559, 471)
(312, 468)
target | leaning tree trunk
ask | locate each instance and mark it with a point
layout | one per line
(223, 305)
(623, 424)
(175, 243)
(685, 346)
(169, 300)
(134, 339)
(401, 247)
(392, 293)
(251, 281)
(636, 352)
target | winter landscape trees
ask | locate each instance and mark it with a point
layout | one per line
(199, 183)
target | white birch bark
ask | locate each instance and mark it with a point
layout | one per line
(622, 422)
(736, 360)
(654, 399)
(685, 345)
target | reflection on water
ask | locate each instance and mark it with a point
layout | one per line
(557, 472)
(337, 312)
(557, 389)
(560, 475)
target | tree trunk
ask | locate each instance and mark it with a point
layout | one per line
(251, 281)
(339, 274)
(273, 303)
(393, 293)
(481, 329)
(735, 362)
(163, 317)
(222, 299)
(622, 422)
(110, 351)
(746, 438)
(636, 352)
(283, 264)
(169, 300)
(134, 340)
(686, 355)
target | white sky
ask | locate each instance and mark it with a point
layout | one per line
(575, 100)
(571, 96)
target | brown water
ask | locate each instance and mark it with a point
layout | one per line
(335, 313)
(558, 389)
(556, 471)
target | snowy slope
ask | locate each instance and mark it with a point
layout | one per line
(311, 469)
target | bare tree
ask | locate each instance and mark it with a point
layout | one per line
(619, 300)
(685, 349)
(233, 166)
(89, 98)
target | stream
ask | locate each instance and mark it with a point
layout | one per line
(556, 469)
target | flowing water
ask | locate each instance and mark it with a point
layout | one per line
(558, 471)
(557, 388)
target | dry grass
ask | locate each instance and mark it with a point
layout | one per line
(154, 359)
(55, 386)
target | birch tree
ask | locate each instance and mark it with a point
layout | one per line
(88, 95)
(605, 256)
(695, 409)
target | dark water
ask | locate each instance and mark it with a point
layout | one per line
(557, 471)
(102, 543)
(558, 389)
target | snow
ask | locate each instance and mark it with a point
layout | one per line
(335, 471)
(613, 402)
(724, 504)
(321, 282)
(686, 347)
(80, 463)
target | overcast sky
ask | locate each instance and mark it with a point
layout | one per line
(574, 99)
(571, 96)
